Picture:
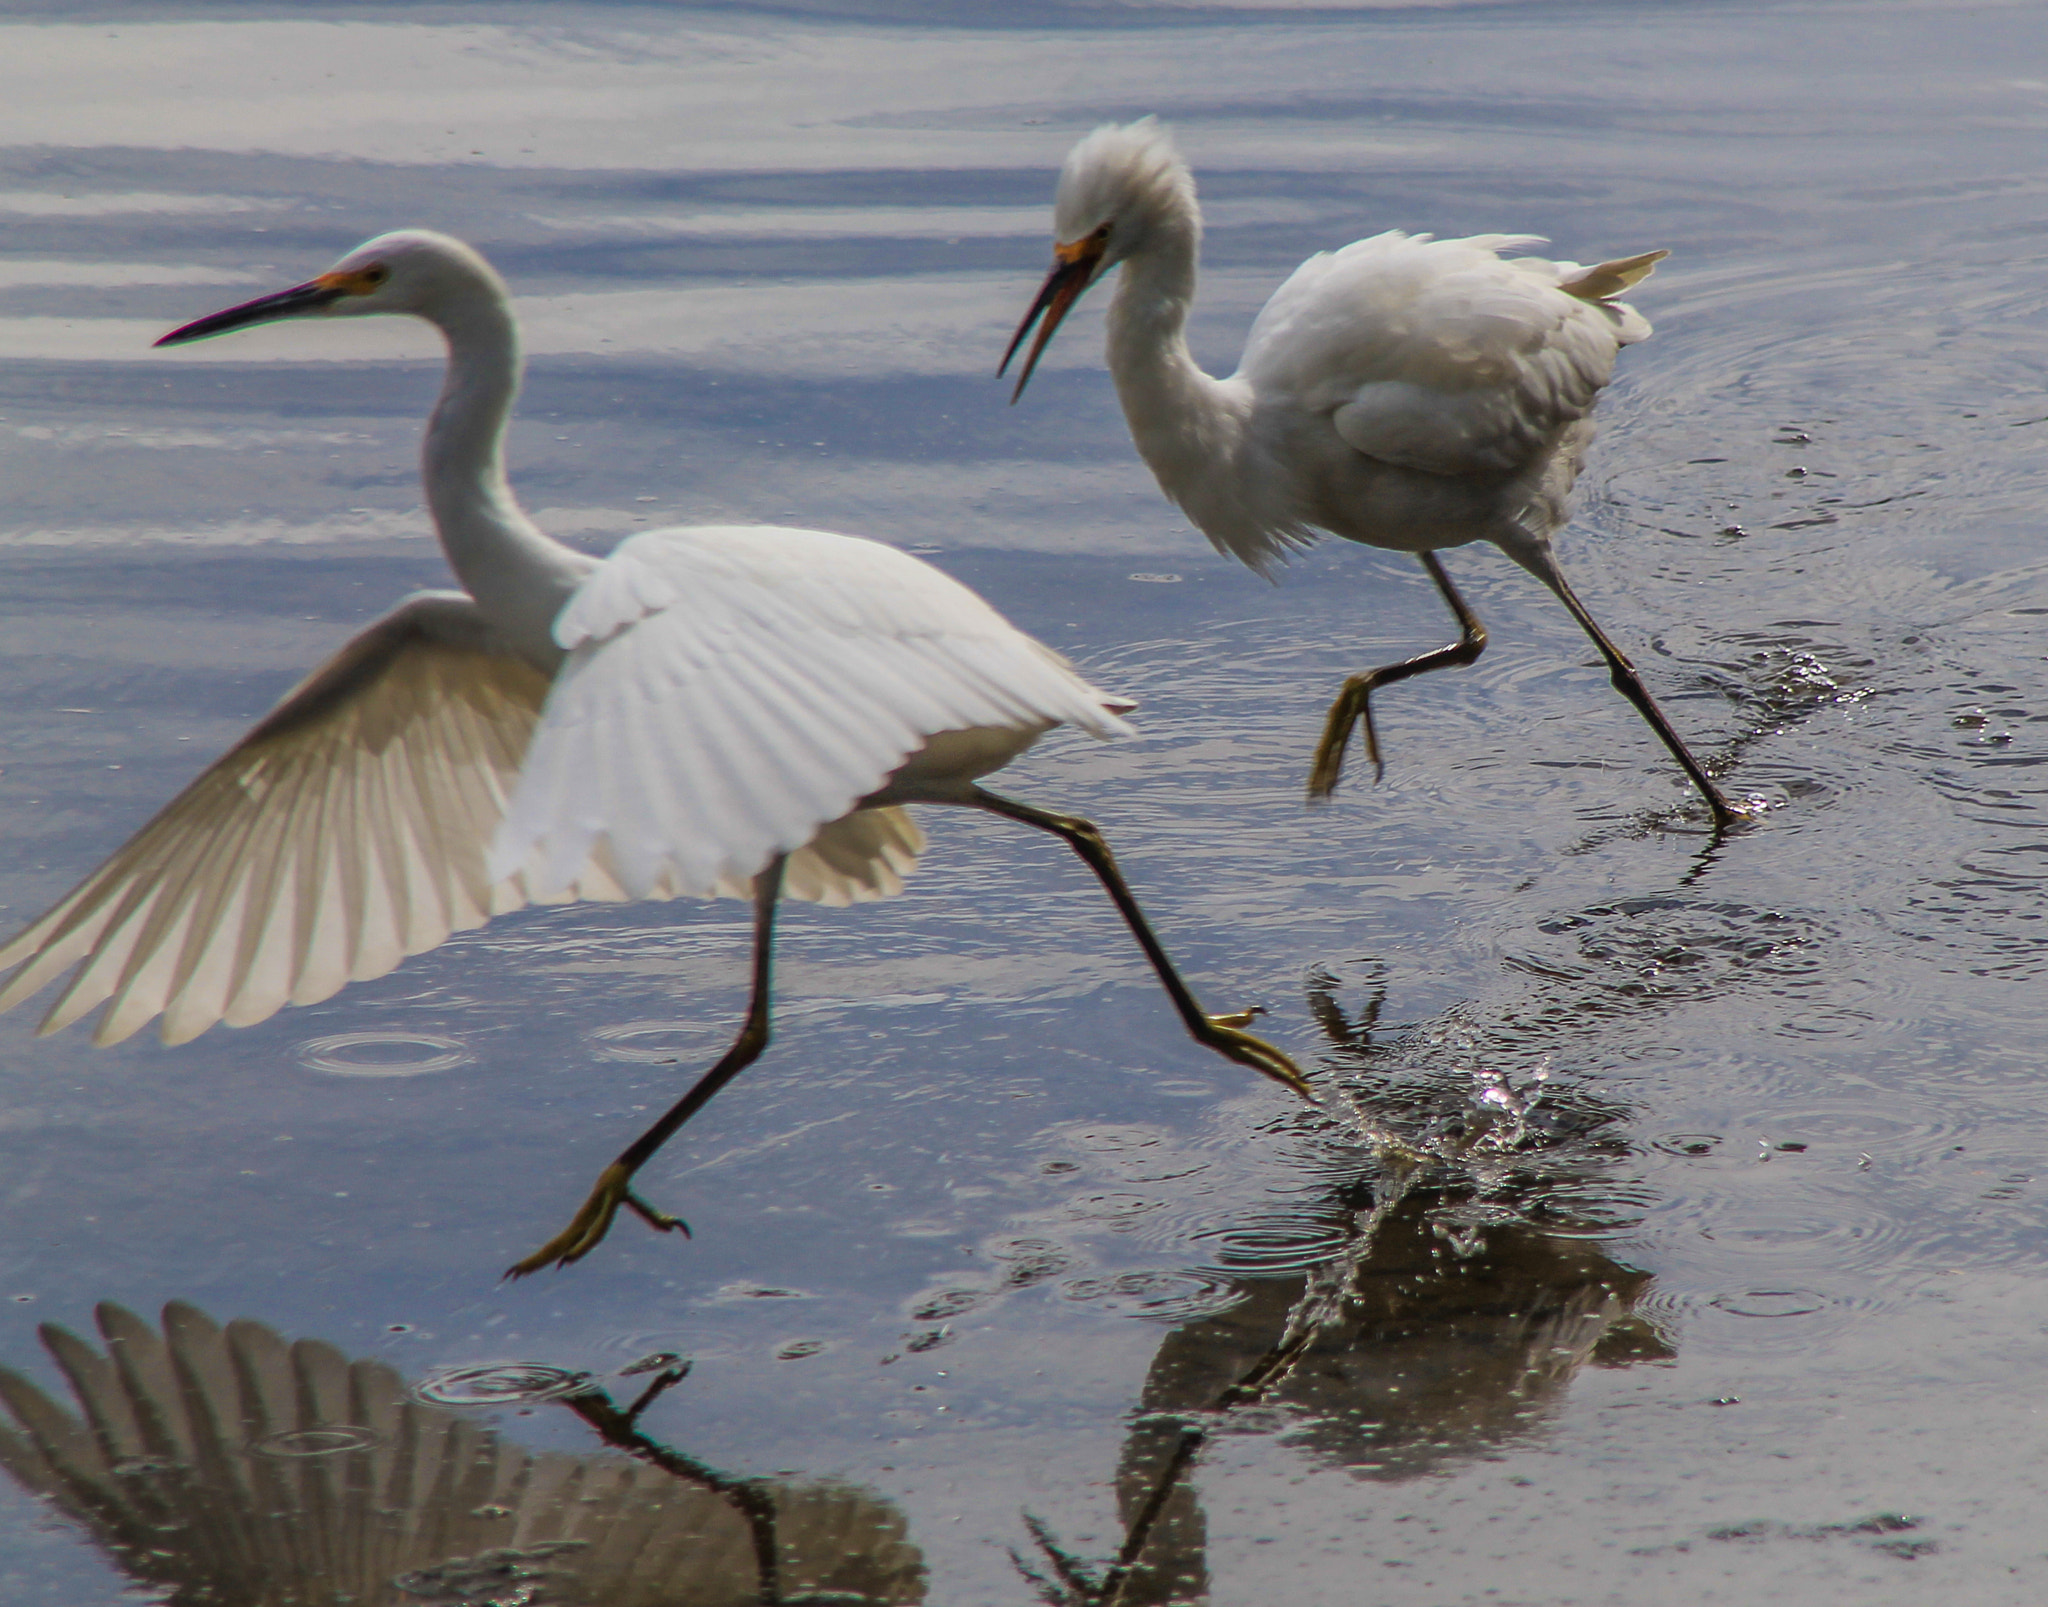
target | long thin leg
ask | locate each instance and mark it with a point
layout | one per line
(1354, 702)
(1224, 1034)
(1534, 555)
(586, 1230)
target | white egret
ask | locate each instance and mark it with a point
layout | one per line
(1405, 392)
(711, 711)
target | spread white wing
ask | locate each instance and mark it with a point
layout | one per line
(730, 688)
(1442, 355)
(349, 829)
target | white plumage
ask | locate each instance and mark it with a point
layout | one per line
(716, 711)
(730, 687)
(1404, 392)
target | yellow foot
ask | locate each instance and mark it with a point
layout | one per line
(1225, 1037)
(1324, 776)
(586, 1230)
(1238, 1018)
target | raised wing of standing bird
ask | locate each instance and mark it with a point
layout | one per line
(710, 711)
(1404, 392)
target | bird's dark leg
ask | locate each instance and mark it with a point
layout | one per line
(1354, 703)
(586, 1230)
(1534, 555)
(1224, 1034)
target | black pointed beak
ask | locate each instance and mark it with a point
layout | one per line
(308, 297)
(1071, 274)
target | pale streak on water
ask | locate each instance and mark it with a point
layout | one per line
(1762, 1272)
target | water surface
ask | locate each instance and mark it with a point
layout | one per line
(1724, 1254)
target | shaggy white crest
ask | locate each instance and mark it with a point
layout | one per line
(1129, 177)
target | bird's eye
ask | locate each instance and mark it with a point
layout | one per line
(375, 274)
(1101, 235)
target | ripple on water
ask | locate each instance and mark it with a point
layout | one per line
(648, 1042)
(331, 1439)
(646, 1345)
(1771, 1304)
(1880, 1121)
(1029, 1261)
(499, 1384)
(1180, 1295)
(383, 1054)
(1649, 950)
(1274, 1245)
(1753, 1316)
(1687, 1144)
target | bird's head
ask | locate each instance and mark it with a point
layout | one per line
(1121, 187)
(412, 271)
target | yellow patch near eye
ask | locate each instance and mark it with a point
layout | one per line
(362, 282)
(1085, 249)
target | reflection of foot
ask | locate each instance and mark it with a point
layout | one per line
(586, 1230)
(1223, 1034)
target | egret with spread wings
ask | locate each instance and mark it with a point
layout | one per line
(735, 711)
(1404, 392)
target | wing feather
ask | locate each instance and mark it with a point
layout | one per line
(1443, 355)
(346, 831)
(737, 688)
(730, 695)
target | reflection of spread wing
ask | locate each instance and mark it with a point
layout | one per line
(731, 688)
(225, 1465)
(1442, 355)
(348, 830)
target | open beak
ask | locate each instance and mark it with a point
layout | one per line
(1072, 272)
(308, 297)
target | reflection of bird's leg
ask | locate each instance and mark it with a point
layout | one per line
(1354, 703)
(1224, 1034)
(1534, 555)
(586, 1230)
(754, 1499)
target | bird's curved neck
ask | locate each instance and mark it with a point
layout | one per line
(1169, 402)
(518, 576)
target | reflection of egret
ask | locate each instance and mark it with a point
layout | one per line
(224, 1465)
(1421, 1342)
(729, 710)
(1405, 392)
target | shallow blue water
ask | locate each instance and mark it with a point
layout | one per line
(1737, 1307)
